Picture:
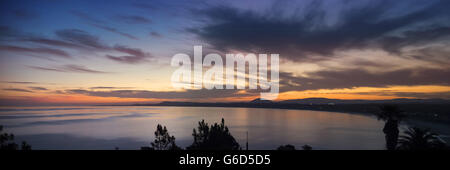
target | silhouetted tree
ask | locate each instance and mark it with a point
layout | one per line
(7, 142)
(25, 146)
(163, 141)
(289, 147)
(392, 115)
(306, 147)
(286, 148)
(214, 137)
(420, 139)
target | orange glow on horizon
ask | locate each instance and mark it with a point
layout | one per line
(365, 93)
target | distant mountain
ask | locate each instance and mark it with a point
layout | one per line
(259, 100)
(339, 101)
(307, 101)
(315, 101)
(434, 110)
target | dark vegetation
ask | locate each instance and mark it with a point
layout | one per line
(214, 137)
(420, 139)
(7, 142)
(286, 148)
(392, 115)
(414, 138)
(163, 141)
(218, 136)
(292, 147)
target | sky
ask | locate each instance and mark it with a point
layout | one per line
(104, 52)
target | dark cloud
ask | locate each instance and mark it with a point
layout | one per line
(113, 30)
(134, 55)
(133, 19)
(125, 59)
(436, 54)
(37, 50)
(307, 32)
(46, 68)
(82, 38)
(189, 94)
(68, 68)
(19, 82)
(80, 69)
(416, 37)
(155, 34)
(66, 38)
(53, 42)
(18, 90)
(419, 95)
(108, 87)
(362, 78)
(79, 38)
(435, 95)
(38, 88)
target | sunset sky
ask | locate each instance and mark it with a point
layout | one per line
(90, 52)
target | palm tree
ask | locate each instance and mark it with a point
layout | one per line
(392, 115)
(420, 139)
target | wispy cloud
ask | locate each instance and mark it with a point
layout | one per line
(69, 68)
(134, 55)
(38, 50)
(101, 24)
(133, 19)
(108, 87)
(79, 40)
(114, 30)
(18, 90)
(38, 88)
(155, 34)
(19, 82)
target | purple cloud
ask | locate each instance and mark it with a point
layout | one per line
(133, 19)
(134, 55)
(38, 50)
(38, 88)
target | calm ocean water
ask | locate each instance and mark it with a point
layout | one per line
(105, 127)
